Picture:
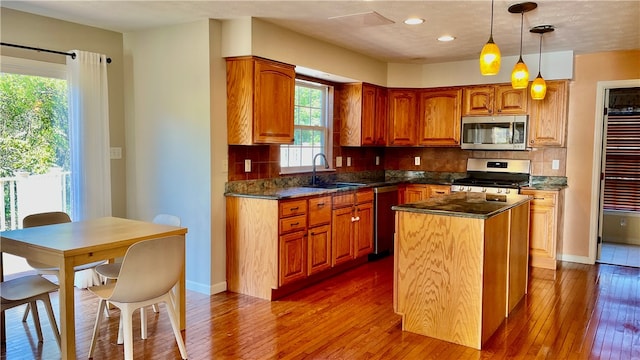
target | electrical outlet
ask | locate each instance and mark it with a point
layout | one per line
(348, 161)
(416, 160)
(115, 153)
(247, 165)
(377, 160)
(555, 164)
(623, 222)
(338, 161)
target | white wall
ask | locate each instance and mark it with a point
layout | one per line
(167, 121)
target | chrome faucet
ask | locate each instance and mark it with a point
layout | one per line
(326, 166)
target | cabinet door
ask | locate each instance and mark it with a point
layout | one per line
(543, 228)
(319, 211)
(548, 117)
(380, 129)
(510, 101)
(478, 100)
(415, 192)
(363, 229)
(319, 249)
(368, 114)
(439, 117)
(402, 117)
(351, 114)
(273, 103)
(293, 257)
(341, 238)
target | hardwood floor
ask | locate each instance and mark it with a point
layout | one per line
(583, 312)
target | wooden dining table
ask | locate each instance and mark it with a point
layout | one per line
(70, 244)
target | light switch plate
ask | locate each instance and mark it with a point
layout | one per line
(377, 160)
(348, 160)
(247, 165)
(416, 160)
(338, 161)
(115, 153)
(555, 164)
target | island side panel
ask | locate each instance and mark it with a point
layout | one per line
(494, 279)
(438, 276)
(252, 246)
(518, 255)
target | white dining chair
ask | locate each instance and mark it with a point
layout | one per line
(112, 271)
(141, 282)
(28, 290)
(50, 218)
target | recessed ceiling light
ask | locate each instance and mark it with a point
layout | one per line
(446, 38)
(413, 21)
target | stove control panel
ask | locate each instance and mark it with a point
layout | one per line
(488, 190)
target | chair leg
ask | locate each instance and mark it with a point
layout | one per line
(127, 315)
(96, 326)
(26, 312)
(156, 309)
(36, 319)
(143, 323)
(120, 340)
(173, 317)
(52, 319)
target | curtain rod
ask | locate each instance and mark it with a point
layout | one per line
(73, 55)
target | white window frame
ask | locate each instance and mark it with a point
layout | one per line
(327, 110)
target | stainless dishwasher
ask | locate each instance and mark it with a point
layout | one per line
(384, 197)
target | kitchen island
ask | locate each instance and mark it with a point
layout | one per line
(460, 264)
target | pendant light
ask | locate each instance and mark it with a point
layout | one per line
(539, 86)
(490, 55)
(520, 73)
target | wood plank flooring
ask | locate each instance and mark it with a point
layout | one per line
(580, 312)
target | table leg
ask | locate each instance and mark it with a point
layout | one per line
(67, 315)
(181, 303)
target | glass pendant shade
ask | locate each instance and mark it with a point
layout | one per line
(538, 88)
(490, 58)
(520, 75)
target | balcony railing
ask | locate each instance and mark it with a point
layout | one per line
(26, 194)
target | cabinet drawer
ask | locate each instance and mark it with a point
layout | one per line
(547, 198)
(293, 224)
(343, 199)
(293, 208)
(319, 211)
(363, 196)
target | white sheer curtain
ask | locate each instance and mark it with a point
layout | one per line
(89, 135)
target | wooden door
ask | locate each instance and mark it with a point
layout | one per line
(478, 100)
(402, 117)
(415, 192)
(341, 235)
(363, 229)
(439, 117)
(273, 102)
(319, 249)
(543, 229)
(510, 101)
(381, 122)
(368, 121)
(548, 117)
(293, 257)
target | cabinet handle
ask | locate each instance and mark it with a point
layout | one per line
(294, 224)
(313, 234)
(357, 218)
(440, 192)
(353, 219)
(294, 208)
(530, 141)
(320, 204)
(537, 198)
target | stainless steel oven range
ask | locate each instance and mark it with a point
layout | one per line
(494, 176)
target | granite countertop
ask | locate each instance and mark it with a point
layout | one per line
(466, 204)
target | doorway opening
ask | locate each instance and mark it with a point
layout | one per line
(619, 182)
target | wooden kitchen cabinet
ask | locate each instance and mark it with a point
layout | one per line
(548, 117)
(293, 257)
(352, 225)
(402, 117)
(545, 227)
(419, 192)
(363, 226)
(439, 117)
(499, 99)
(363, 111)
(438, 190)
(319, 235)
(260, 98)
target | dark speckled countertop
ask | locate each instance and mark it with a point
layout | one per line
(466, 204)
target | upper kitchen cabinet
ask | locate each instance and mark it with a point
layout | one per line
(363, 110)
(499, 99)
(548, 117)
(402, 116)
(260, 95)
(439, 117)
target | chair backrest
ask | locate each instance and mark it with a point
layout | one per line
(46, 218)
(167, 219)
(150, 268)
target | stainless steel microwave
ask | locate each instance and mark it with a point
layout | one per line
(504, 132)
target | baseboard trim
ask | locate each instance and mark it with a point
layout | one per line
(207, 289)
(577, 259)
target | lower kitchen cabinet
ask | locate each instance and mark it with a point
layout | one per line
(545, 227)
(341, 239)
(319, 249)
(363, 229)
(418, 192)
(352, 224)
(293, 257)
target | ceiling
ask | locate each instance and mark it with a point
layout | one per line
(584, 26)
